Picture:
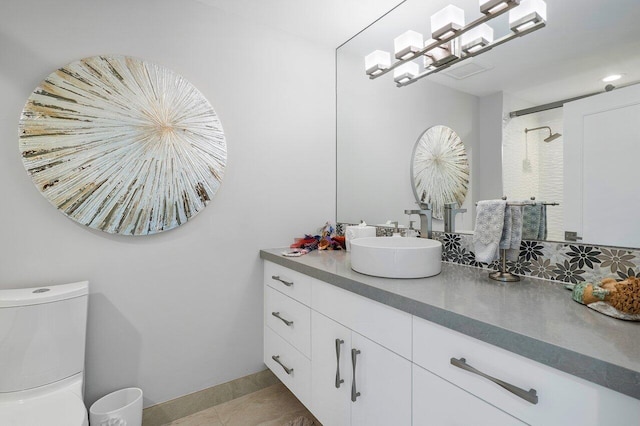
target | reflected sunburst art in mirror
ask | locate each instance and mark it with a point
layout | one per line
(439, 169)
(122, 145)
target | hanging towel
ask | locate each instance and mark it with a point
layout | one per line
(505, 239)
(542, 233)
(513, 250)
(531, 221)
(488, 231)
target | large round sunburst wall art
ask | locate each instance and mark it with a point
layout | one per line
(122, 145)
(439, 169)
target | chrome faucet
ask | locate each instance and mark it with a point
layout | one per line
(425, 219)
(450, 212)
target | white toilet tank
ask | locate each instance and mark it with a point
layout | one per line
(42, 335)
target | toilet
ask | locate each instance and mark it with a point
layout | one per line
(42, 344)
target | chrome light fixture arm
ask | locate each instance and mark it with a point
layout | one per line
(495, 43)
(484, 18)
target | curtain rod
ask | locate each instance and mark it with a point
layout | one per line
(559, 104)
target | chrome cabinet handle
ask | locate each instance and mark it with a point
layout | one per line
(354, 393)
(277, 315)
(277, 278)
(338, 379)
(530, 396)
(276, 358)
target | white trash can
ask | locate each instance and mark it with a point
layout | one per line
(119, 408)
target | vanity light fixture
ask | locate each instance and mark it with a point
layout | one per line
(376, 62)
(407, 44)
(527, 15)
(493, 6)
(442, 54)
(405, 72)
(453, 41)
(447, 22)
(476, 38)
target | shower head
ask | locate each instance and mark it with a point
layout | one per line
(552, 136)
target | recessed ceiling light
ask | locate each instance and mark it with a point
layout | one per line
(612, 77)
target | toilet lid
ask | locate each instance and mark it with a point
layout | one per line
(57, 409)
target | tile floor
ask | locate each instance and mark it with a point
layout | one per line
(271, 406)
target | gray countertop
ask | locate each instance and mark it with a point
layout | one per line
(533, 318)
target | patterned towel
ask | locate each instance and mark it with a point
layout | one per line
(488, 232)
(531, 221)
(513, 220)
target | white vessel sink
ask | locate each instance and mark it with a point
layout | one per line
(396, 257)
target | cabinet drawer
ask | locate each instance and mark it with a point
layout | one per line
(298, 376)
(438, 402)
(562, 398)
(292, 283)
(288, 318)
(383, 324)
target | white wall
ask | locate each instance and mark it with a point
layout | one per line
(488, 156)
(180, 311)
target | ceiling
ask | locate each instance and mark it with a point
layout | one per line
(584, 40)
(329, 22)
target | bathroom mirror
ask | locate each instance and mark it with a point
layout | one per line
(439, 169)
(377, 123)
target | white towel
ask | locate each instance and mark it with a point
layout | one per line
(498, 226)
(488, 231)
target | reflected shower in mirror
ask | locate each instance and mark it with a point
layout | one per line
(532, 163)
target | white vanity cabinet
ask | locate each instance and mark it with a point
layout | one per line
(374, 345)
(543, 395)
(438, 402)
(354, 361)
(355, 381)
(331, 374)
(287, 328)
(308, 321)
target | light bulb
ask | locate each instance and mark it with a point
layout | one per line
(407, 44)
(529, 13)
(446, 22)
(492, 6)
(405, 72)
(376, 62)
(476, 38)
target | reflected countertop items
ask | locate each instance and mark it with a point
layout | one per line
(533, 318)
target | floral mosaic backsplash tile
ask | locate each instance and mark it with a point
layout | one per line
(565, 262)
(555, 261)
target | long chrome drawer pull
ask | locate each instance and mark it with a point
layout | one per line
(530, 396)
(338, 379)
(277, 315)
(354, 393)
(276, 358)
(277, 278)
